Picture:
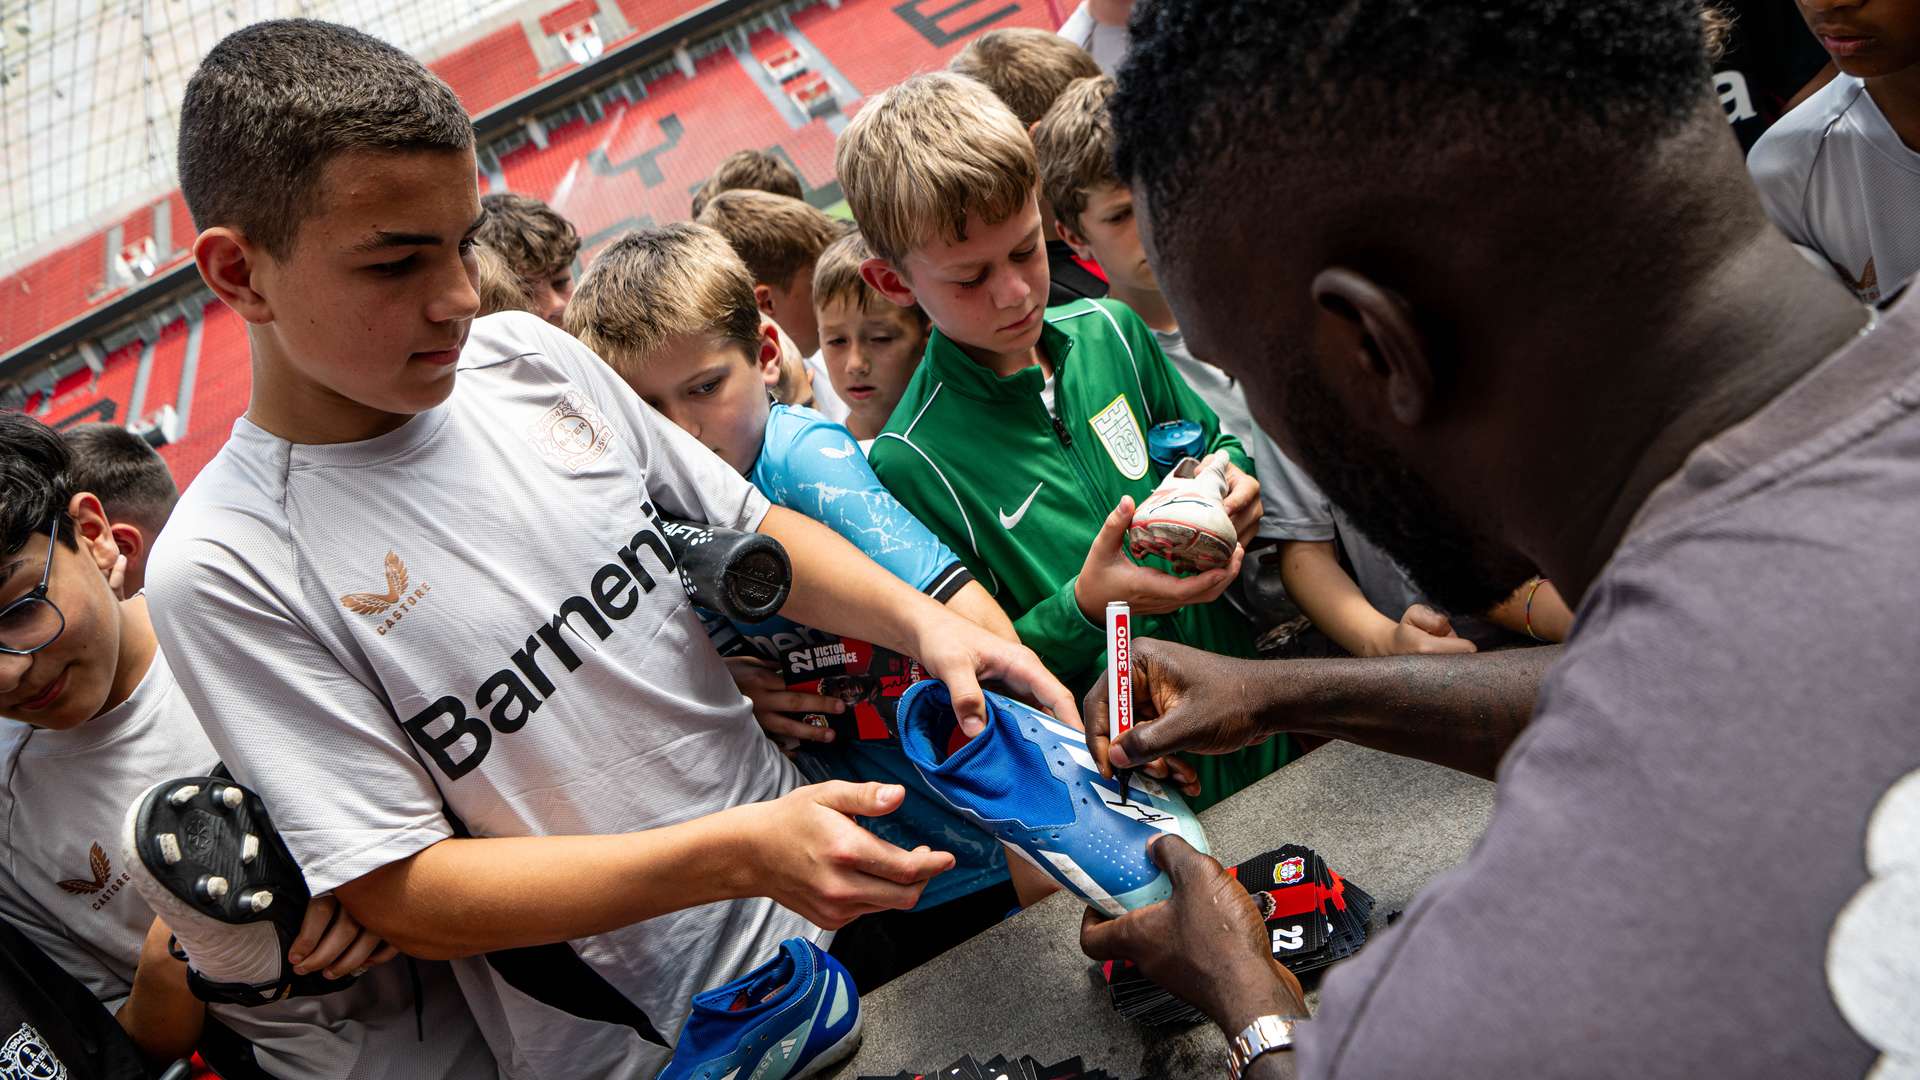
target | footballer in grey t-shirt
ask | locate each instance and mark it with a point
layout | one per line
(1723, 774)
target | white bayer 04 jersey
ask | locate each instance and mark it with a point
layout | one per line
(471, 623)
(1838, 180)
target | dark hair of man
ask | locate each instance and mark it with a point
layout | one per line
(1232, 85)
(273, 103)
(531, 236)
(33, 483)
(749, 170)
(123, 471)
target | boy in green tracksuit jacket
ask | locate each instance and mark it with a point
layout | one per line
(1021, 439)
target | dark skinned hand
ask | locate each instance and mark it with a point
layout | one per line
(1207, 944)
(1183, 700)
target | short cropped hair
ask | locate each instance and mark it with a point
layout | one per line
(1229, 87)
(500, 288)
(1028, 67)
(536, 242)
(33, 482)
(923, 154)
(837, 280)
(1074, 144)
(749, 170)
(123, 470)
(654, 285)
(776, 236)
(274, 102)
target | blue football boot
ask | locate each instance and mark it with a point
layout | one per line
(791, 1017)
(1029, 780)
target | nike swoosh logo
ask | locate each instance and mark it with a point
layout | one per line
(1008, 521)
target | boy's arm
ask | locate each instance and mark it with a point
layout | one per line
(1314, 578)
(974, 605)
(364, 818)
(464, 897)
(1535, 609)
(161, 1015)
(838, 589)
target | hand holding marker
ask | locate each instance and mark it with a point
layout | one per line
(1120, 680)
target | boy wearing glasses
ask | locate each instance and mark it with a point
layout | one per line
(92, 719)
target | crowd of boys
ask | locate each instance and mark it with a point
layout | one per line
(541, 800)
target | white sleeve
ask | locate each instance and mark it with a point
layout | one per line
(688, 480)
(320, 746)
(1781, 164)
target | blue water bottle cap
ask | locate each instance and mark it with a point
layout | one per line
(1173, 440)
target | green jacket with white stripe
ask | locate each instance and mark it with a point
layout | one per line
(1019, 494)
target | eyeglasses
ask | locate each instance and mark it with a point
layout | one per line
(32, 622)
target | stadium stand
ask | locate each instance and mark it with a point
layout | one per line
(660, 113)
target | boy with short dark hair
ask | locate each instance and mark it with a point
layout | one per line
(1029, 68)
(749, 170)
(1021, 440)
(94, 718)
(134, 487)
(537, 244)
(1840, 174)
(871, 345)
(422, 603)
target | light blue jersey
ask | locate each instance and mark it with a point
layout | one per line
(813, 466)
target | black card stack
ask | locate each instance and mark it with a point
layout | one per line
(1313, 917)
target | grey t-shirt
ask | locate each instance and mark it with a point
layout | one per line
(63, 798)
(470, 620)
(1705, 855)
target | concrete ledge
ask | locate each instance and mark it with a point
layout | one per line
(1390, 824)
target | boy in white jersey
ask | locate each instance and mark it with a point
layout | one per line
(1840, 174)
(433, 622)
(93, 718)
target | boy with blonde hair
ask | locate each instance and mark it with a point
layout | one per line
(423, 604)
(1021, 439)
(1028, 68)
(672, 311)
(871, 345)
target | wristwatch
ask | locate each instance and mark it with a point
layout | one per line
(1265, 1034)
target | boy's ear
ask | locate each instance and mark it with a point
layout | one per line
(763, 298)
(92, 530)
(227, 264)
(1369, 330)
(888, 281)
(1074, 240)
(128, 540)
(771, 350)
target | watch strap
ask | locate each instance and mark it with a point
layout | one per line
(1264, 1035)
